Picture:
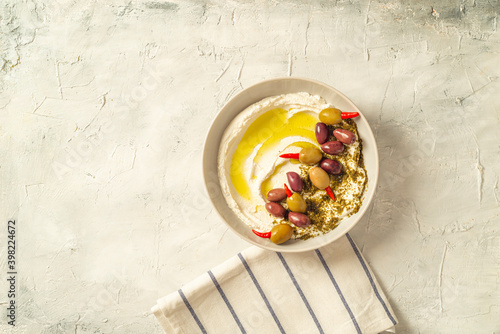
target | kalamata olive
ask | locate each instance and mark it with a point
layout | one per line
(276, 195)
(299, 219)
(295, 181)
(333, 147)
(330, 116)
(319, 178)
(331, 166)
(345, 136)
(310, 155)
(281, 233)
(296, 203)
(276, 209)
(321, 131)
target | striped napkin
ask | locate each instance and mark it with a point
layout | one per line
(329, 290)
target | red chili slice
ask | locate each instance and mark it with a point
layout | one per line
(265, 235)
(346, 115)
(290, 155)
(330, 193)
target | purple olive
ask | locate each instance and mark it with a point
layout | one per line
(333, 147)
(321, 131)
(276, 209)
(345, 136)
(276, 195)
(299, 219)
(331, 166)
(295, 181)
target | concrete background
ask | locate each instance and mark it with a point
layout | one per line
(104, 106)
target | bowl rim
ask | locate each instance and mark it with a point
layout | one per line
(361, 212)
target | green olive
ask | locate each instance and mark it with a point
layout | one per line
(281, 233)
(319, 178)
(296, 203)
(330, 116)
(310, 155)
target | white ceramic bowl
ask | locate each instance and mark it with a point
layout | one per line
(254, 94)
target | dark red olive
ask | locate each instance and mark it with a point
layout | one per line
(321, 131)
(331, 166)
(299, 219)
(345, 136)
(333, 147)
(295, 181)
(276, 195)
(276, 209)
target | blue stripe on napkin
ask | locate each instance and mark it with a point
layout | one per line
(338, 290)
(304, 299)
(257, 285)
(184, 299)
(223, 295)
(370, 278)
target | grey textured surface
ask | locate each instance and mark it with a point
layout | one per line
(104, 107)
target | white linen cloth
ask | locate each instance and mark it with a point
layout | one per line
(329, 290)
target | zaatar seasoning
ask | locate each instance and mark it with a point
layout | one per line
(321, 210)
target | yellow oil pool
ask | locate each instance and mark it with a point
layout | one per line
(268, 129)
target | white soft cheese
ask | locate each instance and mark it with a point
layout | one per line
(252, 212)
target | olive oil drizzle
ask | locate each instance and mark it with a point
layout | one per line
(267, 131)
